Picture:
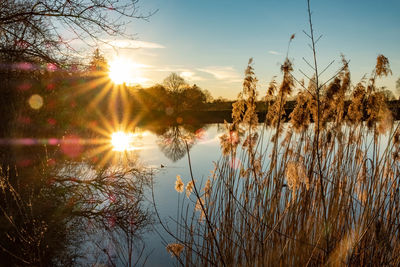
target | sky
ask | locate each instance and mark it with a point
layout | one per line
(209, 42)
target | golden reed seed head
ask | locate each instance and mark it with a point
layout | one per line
(382, 67)
(300, 116)
(189, 188)
(272, 87)
(355, 110)
(378, 113)
(175, 249)
(295, 175)
(179, 185)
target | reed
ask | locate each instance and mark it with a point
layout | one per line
(320, 189)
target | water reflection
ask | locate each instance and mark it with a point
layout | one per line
(58, 209)
(174, 140)
(110, 202)
(79, 198)
(122, 141)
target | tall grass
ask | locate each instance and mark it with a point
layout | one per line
(319, 189)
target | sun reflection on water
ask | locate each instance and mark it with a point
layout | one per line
(122, 141)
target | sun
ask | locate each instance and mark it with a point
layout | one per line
(125, 71)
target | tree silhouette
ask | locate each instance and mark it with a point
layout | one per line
(174, 83)
(31, 29)
(193, 98)
(98, 62)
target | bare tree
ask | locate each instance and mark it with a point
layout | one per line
(34, 29)
(174, 83)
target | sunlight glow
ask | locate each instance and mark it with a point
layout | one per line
(126, 71)
(122, 141)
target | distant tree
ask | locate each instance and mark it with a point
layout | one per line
(174, 83)
(193, 98)
(154, 98)
(208, 95)
(220, 100)
(389, 95)
(98, 62)
(221, 103)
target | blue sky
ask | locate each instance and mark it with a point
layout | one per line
(209, 42)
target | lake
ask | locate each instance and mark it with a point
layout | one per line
(204, 151)
(95, 194)
(73, 158)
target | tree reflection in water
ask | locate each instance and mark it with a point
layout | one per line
(67, 203)
(63, 212)
(173, 141)
(111, 203)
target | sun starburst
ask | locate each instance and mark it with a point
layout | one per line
(124, 71)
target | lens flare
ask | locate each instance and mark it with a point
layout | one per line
(35, 101)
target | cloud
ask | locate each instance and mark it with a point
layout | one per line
(132, 44)
(187, 74)
(223, 73)
(190, 76)
(272, 52)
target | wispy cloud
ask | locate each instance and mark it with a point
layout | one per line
(132, 44)
(186, 73)
(272, 52)
(190, 76)
(223, 73)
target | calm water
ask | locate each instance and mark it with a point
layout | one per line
(162, 152)
(204, 151)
